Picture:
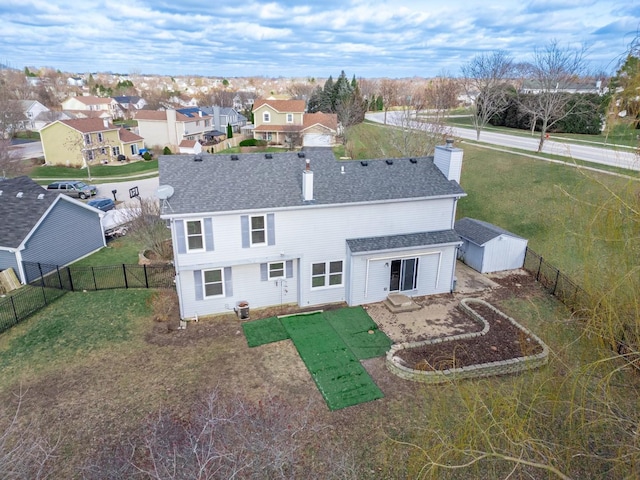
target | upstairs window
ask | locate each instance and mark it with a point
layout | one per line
(195, 235)
(266, 117)
(258, 230)
(87, 139)
(289, 117)
(100, 137)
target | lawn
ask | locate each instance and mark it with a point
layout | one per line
(45, 172)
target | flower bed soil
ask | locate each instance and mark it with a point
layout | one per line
(503, 341)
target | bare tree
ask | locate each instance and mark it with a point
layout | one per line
(301, 90)
(485, 82)
(389, 91)
(550, 74)
(145, 226)
(368, 89)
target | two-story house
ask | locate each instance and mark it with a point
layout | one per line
(285, 122)
(223, 116)
(93, 104)
(170, 127)
(32, 109)
(307, 229)
(78, 142)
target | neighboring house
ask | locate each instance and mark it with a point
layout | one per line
(32, 109)
(75, 143)
(75, 81)
(93, 104)
(488, 248)
(223, 116)
(284, 122)
(183, 100)
(190, 147)
(272, 229)
(533, 86)
(169, 128)
(45, 118)
(45, 227)
(129, 104)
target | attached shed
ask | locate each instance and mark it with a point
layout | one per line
(488, 248)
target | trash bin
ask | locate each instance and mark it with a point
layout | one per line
(242, 310)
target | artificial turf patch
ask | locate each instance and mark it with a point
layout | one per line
(261, 332)
(338, 374)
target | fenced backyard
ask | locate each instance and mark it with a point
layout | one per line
(52, 281)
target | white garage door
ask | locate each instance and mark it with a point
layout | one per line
(317, 140)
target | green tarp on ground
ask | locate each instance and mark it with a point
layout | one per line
(338, 374)
(261, 332)
(331, 345)
(354, 326)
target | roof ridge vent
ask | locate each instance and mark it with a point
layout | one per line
(301, 155)
(413, 160)
(364, 163)
(197, 158)
(268, 155)
(389, 161)
(235, 157)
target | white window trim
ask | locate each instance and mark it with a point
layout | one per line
(327, 275)
(251, 230)
(186, 237)
(289, 117)
(116, 151)
(204, 283)
(100, 137)
(266, 117)
(282, 275)
(87, 139)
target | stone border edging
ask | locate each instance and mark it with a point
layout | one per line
(512, 365)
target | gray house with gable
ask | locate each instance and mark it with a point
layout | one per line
(306, 229)
(44, 227)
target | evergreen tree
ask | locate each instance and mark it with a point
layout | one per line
(326, 101)
(229, 131)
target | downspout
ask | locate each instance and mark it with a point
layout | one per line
(176, 266)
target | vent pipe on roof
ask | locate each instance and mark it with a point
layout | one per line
(19, 195)
(307, 182)
(105, 122)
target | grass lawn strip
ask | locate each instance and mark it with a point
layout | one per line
(353, 325)
(338, 374)
(266, 330)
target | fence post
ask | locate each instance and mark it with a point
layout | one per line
(15, 312)
(555, 285)
(146, 279)
(93, 274)
(124, 272)
(41, 274)
(539, 267)
(59, 277)
(70, 279)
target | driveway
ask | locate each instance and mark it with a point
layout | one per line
(146, 189)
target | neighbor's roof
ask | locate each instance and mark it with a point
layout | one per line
(281, 105)
(329, 120)
(88, 125)
(92, 100)
(127, 136)
(161, 115)
(219, 184)
(18, 215)
(479, 232)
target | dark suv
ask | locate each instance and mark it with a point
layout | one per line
(73, 188)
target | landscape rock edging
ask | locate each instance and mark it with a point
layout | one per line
(512, 365)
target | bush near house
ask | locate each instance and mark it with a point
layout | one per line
(253, 142)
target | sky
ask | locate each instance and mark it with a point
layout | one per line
(305, 38)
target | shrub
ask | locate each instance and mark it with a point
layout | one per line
(147, 156)
(166, 151)
(253, 142)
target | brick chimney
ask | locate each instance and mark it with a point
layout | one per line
(449, 160)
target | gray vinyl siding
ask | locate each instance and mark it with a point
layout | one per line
(8, 260)
(501, 253)
(67, 233)
(435, 273)
(307, 236)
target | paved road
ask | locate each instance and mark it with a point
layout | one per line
(146, 188)
(24, 151)
(603, 156)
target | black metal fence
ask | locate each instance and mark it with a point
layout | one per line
(556, 282)
(50, 282)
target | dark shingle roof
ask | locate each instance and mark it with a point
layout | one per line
(479, 232)
(410, 240)
(218, 183)
(18, 215)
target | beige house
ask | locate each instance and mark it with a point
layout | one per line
(284, 122)
(78, 142)
(169, 128)
(93, 104)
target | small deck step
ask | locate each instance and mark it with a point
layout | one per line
(399, 303)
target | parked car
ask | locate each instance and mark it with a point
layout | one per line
(104, 204)
(73, 188)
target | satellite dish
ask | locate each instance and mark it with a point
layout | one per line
(164, 192)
